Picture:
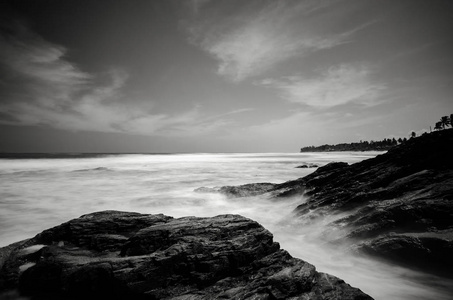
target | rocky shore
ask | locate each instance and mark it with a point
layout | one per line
(397, 206)
(123, 255)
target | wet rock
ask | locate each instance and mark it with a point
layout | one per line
(120, 255)
(394, 205)
(425, 251)
(245, 190)
(306, 166)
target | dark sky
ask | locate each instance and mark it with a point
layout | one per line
(220, 76)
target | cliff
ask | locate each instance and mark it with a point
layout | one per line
(121, 255)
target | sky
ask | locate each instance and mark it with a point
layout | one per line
(220, 76)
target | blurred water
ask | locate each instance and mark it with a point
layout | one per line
(36, 194)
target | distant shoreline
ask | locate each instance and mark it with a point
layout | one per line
(347, 150)
(383, 145)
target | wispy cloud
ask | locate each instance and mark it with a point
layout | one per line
(40, 86)
(190, 123)
(335, 86)
(33, 66)
(254, 41)
(196, 5)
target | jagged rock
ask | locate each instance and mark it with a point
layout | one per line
(398, 205)
(121, 255)
(431, 250)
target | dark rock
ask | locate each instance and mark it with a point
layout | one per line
(120, 255)
(305, 166)
(398, 205)
(302, 166)
(245, 190)
(431, 250)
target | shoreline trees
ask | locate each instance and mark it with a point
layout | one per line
(385, 144)
(445, 121)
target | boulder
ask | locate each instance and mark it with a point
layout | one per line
(123, 255)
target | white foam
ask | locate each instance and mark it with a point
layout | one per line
(31, 249)
(26, 266)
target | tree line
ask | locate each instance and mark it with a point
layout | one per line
(385, 144)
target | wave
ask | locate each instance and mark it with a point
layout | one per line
(98, 169)
(27, 173)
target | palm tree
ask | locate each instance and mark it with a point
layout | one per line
(438, 126)
(445, 120)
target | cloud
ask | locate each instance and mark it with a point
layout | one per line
(32, 65)
(196, 5)
(40, 86)
(337, 85)
(253, 41)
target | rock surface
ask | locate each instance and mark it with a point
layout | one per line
(245, 190)
(122, 255)
(398, 205)
(306, 166)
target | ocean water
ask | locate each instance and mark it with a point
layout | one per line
(38, 192)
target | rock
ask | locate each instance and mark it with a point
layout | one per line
(302, 166)
(121, 255)
(429, 250)
(245, 190)
(398, 205)
(305, 166)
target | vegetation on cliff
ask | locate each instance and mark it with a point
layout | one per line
(383, 145)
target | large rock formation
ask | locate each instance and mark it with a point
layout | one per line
(398, 205)
(121, 255)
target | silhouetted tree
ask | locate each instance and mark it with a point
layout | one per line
(451, 120)
(438, 126)
(404, 140)
(413, 134)
(445, 120)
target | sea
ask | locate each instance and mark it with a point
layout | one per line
(39, 191)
